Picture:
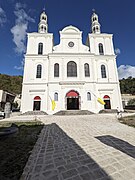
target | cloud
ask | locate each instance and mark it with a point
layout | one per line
(19, 31)
(21, 66)
(19, 5)
(117, 51)
(3, 17)
(124, 71)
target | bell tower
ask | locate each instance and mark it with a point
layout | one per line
(95, 23)
(43, 26)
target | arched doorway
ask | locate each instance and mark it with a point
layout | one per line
(72, 100)
(37, 103)
(107, 102)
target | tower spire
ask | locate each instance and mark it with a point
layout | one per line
(95, 23)
(44, 8)
(93, 10)
(43, 26)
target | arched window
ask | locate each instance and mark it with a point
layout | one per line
(88, 96)
(39, 71)
(56, 96)
(71, 69)
(40, 46)
(56, 70)
(103, 71)
(86, 70)
(101, 50)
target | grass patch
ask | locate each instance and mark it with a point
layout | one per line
(129, 120)
(15, 149)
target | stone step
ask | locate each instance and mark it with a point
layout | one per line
(74, 112)
(108, 111)
(34, 113)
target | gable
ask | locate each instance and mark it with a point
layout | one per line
(70, 41)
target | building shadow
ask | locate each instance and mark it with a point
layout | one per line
(60, 157)
(118, 144)
(16, 142)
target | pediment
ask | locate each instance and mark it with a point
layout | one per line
(71, 41)
(70, 29)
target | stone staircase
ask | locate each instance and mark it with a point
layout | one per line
(74, 112)
(108, 111)
(34, 113)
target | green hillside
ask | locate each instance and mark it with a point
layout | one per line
(127, 86)
(12, 84)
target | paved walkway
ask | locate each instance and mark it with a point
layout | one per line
(82, 148)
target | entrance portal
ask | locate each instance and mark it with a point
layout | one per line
(72, 99)
(107, 102)
(37, 103)
(72, 103)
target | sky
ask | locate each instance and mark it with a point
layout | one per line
(17, 18)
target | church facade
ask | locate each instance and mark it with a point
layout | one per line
(72, 74)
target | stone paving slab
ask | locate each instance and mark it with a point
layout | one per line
(82, 148)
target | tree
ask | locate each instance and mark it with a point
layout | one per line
(12, 84)
(131, 102)
(127, 86)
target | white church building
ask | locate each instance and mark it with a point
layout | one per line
(72, 74)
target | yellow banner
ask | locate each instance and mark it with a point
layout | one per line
(101, 101)
(53, 105)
